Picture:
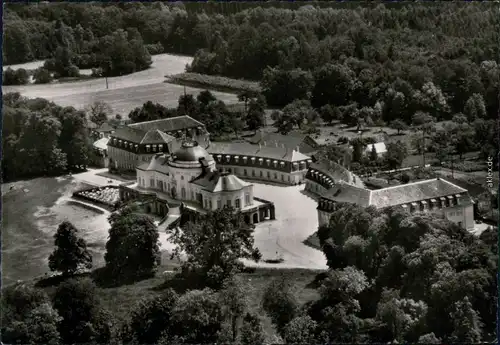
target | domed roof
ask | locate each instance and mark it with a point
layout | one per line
(190, 152)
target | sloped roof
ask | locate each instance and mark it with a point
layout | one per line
(157, 163)
(169, 124)
(379, 147)
(101, 144)
(335, 171)
(395, 195)
(220, 182)
(412, 192)
(156, 136)
(105, 127)
(291, 140)
(129, 134)
(242, 149)
(343, 192)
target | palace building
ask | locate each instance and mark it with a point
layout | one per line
(189, 176)
(272, 163)
(323, 175)
(132, 145)
(435, 195)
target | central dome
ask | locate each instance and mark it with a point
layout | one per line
(190, 152)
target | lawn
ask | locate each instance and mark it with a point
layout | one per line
(32, 210)
(125, 92)
(122, 300)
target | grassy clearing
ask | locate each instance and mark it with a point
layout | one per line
(29, 223)
(212, 82)
(124, 93)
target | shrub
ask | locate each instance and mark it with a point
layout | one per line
(42, 76)
(155, 48)
(15, 77)
(466, 166)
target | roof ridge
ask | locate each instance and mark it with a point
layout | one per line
(454, 185)
(407, 184)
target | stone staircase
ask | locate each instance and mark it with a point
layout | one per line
(174, 214)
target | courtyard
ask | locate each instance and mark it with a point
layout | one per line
(283, 238)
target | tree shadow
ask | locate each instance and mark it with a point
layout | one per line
(104, 279)
(317, 281)
(53, 281)
(181, 283)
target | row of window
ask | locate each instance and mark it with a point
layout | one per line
(261, 174)
(296, 165)
(457, 213)
(164, 186)
(128, 145)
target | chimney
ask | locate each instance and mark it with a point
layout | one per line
(260, 146)
(297, 149)
(264, 143)
(277, 144)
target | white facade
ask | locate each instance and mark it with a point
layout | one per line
(182, 181)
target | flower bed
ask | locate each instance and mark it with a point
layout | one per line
(109, 195)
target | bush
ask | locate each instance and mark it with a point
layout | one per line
(50, 64)
(155, 48)
(42, 76)
(15, 77)
(466, 166)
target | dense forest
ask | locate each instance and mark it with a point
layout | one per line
(41, 138)
(400, 58)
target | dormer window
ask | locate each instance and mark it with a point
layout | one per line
(236, 158)
(275, 163)
(282, 163)
(253, 160)
(228, 158)
(450, 200)
(260, 161)
(268, 161)
(136, 147)
(443, 201)
(219, 157)
(245, 160)
(160, 147)
(155, 148)
(148, 148)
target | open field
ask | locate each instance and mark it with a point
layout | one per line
(33, 210)
(124, 93)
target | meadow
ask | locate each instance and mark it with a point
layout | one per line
(124, 93)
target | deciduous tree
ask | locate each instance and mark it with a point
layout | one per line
(132, 250)
(214, 243)
(71, 252)
(84, 320)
